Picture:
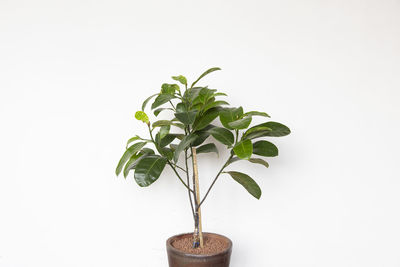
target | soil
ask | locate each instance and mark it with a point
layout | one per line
(211, 245)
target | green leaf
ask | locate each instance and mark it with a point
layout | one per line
(149, 169)
(133, 161)
(247, 182)
(207, 148)
(141, 116)
(186, 117)
(169, 88)
(277, 129)
(132, 139)
(204, 74)
(164, 130)
(222, 135)
(241, 123)
(243, 149)
(181, 79)
(204, 95)
(202, 135)
(191, 93)
(256, 113)
(220, 94)
(259, 161)
(146, 101)
(127, 155)
(161, 99)
(205, 119)
(228, 115)
(265, 148)
(167, 152)
(256, 131)
(167, 140)
(157, 111)
(183, 145)
(214, 104)
(232, 160)
(166, 122)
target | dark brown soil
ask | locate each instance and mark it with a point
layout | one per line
(211, 245)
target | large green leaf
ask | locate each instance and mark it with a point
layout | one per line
(255, 132)
(228, 115)
(214, 104)
(277, 129)
(169, 88)
(183, 145)
(204, 74)
(146, 101)
(161, 99)
(133, 161)
(181, 79)
(186, 117)
(243, 149)
(205, 94)
(202, 135)
(207, 148)
(127, 155)
(167, 140)
(259, 161)
(256, 113)
(149, 169)
(191, 93)
(205, 119)
(265, 148)
(164, 130)
(223, 135)
(247, 182)
(241, 123)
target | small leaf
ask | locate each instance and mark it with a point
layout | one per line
(243, 149)
(222, 135)
(247, 182)
(186, 117)
(207, 148)
(132, 140)
(204, 74)
(164, 130)
(241, 123)
(214, 104)
(127, 155)
(166, 122)
(146, 101)
(265, 148)
(167, 140)
(202, 135)
(167, 152)
(149, 169)
(181, 79)
(220, 94)
(205, 119)
(183, 145)
(228, 115)
(141, 116)
(259, 161)
(169, 88)
(256, 113)
(161, 99)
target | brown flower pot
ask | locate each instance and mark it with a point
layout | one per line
(178, 258)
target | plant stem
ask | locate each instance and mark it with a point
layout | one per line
(215, 179)
(198, 233)
(188, 183)
(177, 174)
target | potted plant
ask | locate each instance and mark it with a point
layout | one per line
(176, 142)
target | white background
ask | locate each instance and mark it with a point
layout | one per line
(72, 74)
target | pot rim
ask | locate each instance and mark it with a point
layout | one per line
(180, 252)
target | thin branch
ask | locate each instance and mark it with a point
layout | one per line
(177, 174)
(188, 183)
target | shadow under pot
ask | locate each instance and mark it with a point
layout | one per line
(215, 253)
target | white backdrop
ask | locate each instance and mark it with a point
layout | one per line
(72, 74)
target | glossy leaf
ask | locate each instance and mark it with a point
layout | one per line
(222, 135)
(158, 111)
(207, 148)
(164, 130)
(191, 93)
(133, 161)
(202, 135)
(205, 119)
(228, 115)
(166, 122)
(141, 116)
(232, 160)
(183, 145)
(256, 113)
(243, 149)
(214, 104)
(132, 139)
(255, 132)
(204, 74)
(277, 129)
(259, 161)
(167, 152)
(220, 94)
(146, 101)
(127, 155)
(265, 148)
(161, 99)
(167, 140)
(149, 169)
(241, 123)
(186, 117)
(247, 182)
(181, 79)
